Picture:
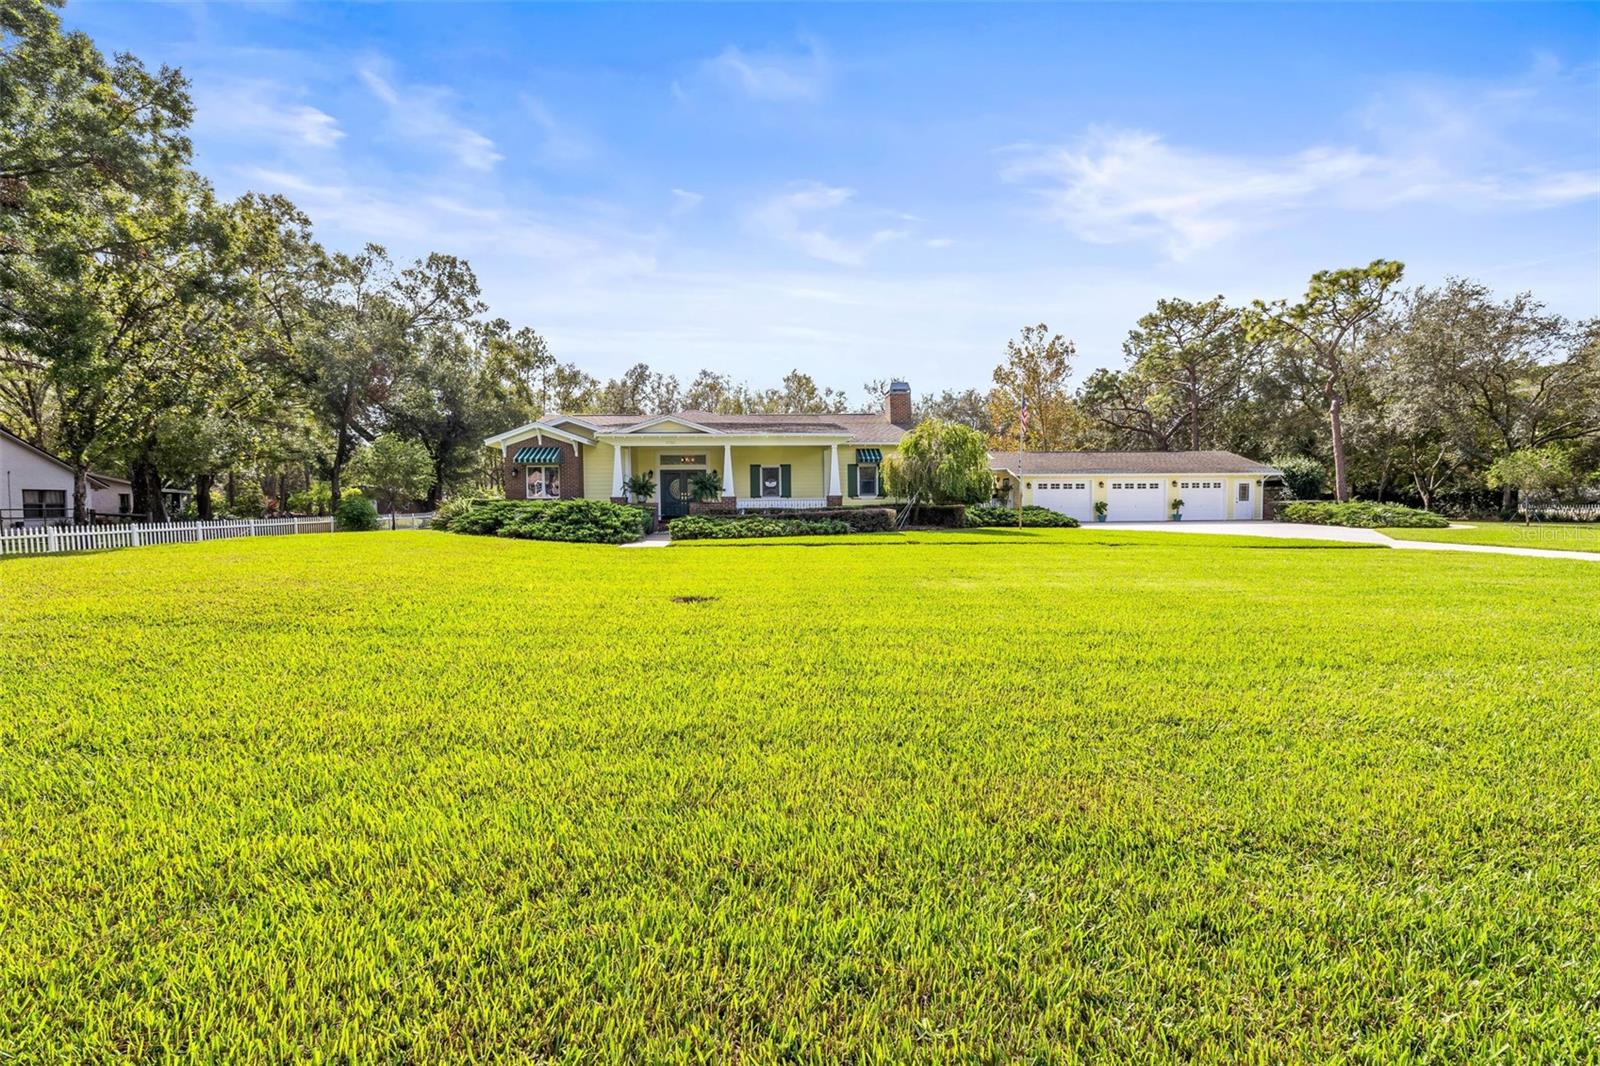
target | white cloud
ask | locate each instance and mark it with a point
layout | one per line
(420, 217)
(560, 143)
(684, 201)
(261, 107)
(422, 114)
(771, 75)
(792, 217)
(1118, 185)
(1469, 148)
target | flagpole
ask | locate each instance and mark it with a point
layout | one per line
(1022, 457)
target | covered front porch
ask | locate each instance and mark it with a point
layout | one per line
(822, 470)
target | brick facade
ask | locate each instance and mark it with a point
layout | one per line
(515, 473)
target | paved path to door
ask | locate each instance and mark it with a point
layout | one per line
(652, 540)
(1343, 534)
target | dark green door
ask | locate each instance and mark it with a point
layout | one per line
(675, 493)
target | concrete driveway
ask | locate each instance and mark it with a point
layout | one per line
(1343, 534)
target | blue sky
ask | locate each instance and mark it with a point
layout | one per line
(873, 191)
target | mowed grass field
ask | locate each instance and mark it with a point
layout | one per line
(1555, 536)
(984, 796)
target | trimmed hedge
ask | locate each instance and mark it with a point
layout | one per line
(574, 521)
(1360, 514)
(1032, 517)
(355, 514)
(945, 515)
(453, 508)
(485, 520)
(859, 519)
(707, 527)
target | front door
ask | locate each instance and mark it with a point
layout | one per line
(675, 495)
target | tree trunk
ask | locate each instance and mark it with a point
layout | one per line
(80, 490)
(232, 489)
(202, 495)
(1341, 477)
(1194, 412)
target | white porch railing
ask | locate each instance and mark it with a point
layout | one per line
(44, 541)
(773, 503)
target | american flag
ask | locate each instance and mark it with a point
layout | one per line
(1022, 414)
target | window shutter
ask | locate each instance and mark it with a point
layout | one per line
(783, 475)
(854, 492)
(755, 480)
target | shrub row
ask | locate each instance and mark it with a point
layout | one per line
(575, 521)
(709, 527)
(1360, 513)
(1032, 517)
(859, 519)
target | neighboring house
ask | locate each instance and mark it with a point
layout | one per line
(831, 460)
(35, 486)
(1139, 486)
(36, 489)
(788, 461)
(110, 495)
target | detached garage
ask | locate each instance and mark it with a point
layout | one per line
(1213, 486)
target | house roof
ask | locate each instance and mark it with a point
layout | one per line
(867, 427)
(1206, 462)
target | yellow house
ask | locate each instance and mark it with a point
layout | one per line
(762, 460)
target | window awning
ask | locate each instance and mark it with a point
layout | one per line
(549, 453)
(869, 455)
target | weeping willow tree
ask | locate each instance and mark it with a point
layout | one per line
(940, 462)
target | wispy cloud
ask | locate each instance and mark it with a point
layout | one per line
(782, 76)
(423, 114)
(421, 216)
(1465, 147)
(559, 141)
(798, 216)
(684, 201)
(261, 107)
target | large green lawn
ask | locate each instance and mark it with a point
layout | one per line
(996, 795)
(1555, 536)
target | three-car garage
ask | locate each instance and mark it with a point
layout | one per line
(1205, 486)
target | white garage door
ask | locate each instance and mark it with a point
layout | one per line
(1203, 501)
(1073, 498)
(1136, 501)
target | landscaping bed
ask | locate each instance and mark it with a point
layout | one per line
(1359, 514)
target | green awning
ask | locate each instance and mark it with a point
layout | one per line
(549, 453)
(869, 455)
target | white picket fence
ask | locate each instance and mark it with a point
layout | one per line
(43, 541)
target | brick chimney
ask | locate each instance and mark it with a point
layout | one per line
(897, 404)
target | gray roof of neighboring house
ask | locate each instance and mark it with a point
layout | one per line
(1212, 462)
(870, 427)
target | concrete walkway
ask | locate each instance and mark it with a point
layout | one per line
(651, 540)
(1341, 534)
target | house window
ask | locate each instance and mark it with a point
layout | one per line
(1244, 492)
(867, 479)
(44, 503)
(771, 481)
(544, 482)
(124, 502)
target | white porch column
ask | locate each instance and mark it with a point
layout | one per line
(627, 462)
(727, 472)
(617, 491)
(833, 471)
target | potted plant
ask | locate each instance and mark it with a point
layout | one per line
(706, 485)
(641, 488)
(1177, 510)
(1099, 510)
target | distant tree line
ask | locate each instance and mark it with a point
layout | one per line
(149, 328)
